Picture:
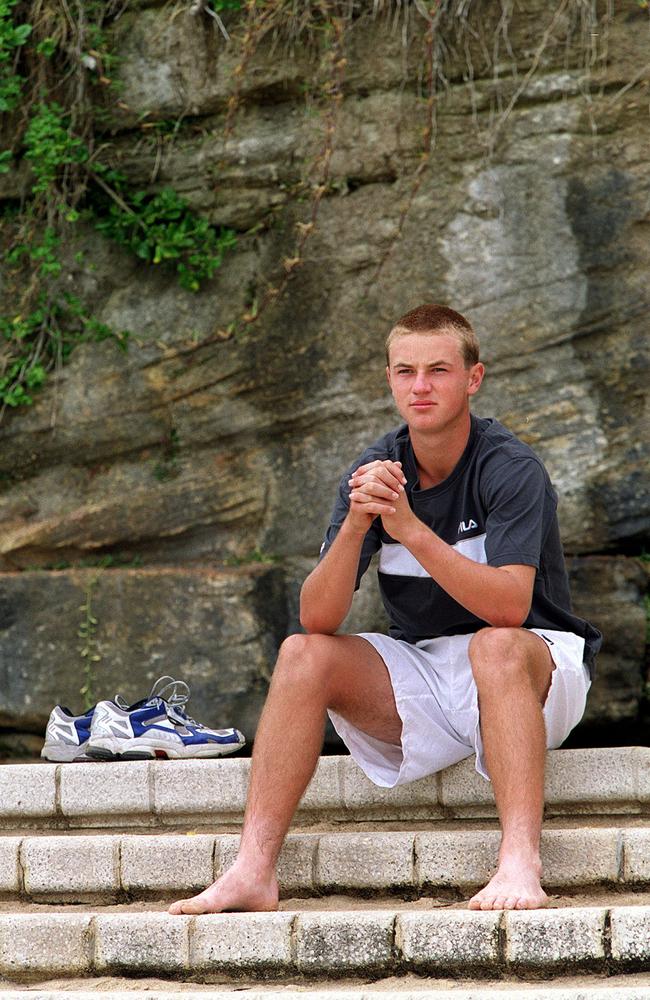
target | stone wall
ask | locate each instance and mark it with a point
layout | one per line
(197, 451)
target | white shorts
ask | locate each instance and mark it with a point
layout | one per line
(437, 702)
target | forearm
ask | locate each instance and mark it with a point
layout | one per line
(492, 593)
(327, 593)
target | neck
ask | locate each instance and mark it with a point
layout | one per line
(437, 454)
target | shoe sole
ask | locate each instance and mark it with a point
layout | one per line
(63, 753)
(111, 748)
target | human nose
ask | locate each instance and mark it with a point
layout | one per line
(422, 382)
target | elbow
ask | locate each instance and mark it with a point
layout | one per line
(509, 618)
(318, 615)
(314, 622)
(315, 626)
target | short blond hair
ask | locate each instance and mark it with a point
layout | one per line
(437, 319)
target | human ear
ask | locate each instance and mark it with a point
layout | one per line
(476, 374)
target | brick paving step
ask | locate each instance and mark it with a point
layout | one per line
(75, 867)
(278, 946)
(604, 782)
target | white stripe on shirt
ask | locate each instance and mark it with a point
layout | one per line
(396, 560)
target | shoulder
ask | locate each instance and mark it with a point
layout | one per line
(502, 457)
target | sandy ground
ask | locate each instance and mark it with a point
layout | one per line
(570, 822)
(392, 983)
(605, 898)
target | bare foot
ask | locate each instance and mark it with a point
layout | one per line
(513, 887)
(234, 890)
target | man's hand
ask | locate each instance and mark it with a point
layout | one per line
(378, 489)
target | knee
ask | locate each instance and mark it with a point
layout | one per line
(497, 656)
(302, 660)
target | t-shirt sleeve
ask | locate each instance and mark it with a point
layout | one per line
(519, 501)
(371, 542)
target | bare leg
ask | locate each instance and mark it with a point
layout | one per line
(313, 673)
(512, 669)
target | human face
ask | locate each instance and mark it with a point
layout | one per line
(429, 381)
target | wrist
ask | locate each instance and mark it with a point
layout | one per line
(413, 534)
(352, 530)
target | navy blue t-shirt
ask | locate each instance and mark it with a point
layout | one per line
(497, 507)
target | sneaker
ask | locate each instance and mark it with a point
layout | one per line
(156, 727)
(66, 735)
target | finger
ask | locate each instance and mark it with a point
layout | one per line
(374, 489)
(369, 465)
(393, 478)
(394, 467)
(372, 507)
(395, 470)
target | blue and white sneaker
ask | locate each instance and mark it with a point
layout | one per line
(156, 727)
(66, 735)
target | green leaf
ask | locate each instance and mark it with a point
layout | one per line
(21, 34)
(47, 47)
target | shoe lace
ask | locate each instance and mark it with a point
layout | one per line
(175, 694)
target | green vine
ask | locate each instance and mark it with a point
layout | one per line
(160, 228)
(62, 108)
(12, 38)
(53, 77)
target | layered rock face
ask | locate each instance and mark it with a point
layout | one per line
(204, 448)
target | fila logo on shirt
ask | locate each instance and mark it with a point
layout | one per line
(467, 525)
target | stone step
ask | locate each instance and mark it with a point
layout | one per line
(79, 867)
(606, 782)
(596, 940)
(401, 991)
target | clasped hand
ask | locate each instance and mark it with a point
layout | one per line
(378, 489)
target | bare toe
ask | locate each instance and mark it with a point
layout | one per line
(511, 903)
(510, 889)
(195, 905)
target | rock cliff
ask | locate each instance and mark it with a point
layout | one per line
(516, 189)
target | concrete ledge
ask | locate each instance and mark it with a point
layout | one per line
(68, 867)
(165, 863)
(357, 943)
(233, 943)
(78, 867)
(454, 940)
(365, 861)
(128, 943)
(578, 782)
(630, 935)
(10, 873)
(542, 939)
(88, 790)
(45, 944)
(340, 943)
(205, 788)
(612, 781)
(27, 791)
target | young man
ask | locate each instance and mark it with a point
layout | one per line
(484, 655)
